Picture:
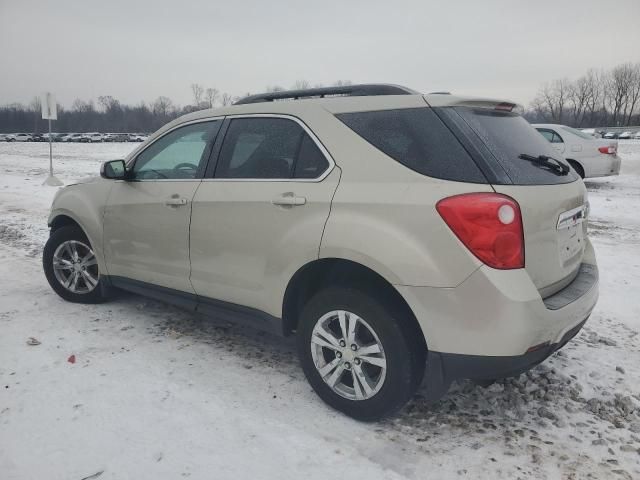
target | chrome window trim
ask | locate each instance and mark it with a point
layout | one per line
(307, 130)
(134, 159)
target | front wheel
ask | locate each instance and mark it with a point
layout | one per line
(360, 356)
(71, 267)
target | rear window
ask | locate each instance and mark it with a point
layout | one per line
(507, 136)
(418, 139)
(578, 133)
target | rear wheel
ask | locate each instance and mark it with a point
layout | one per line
(71, 267)
(359, 355)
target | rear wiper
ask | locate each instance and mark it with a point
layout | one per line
(553, 164)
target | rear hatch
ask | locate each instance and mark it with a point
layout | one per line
(520, 163)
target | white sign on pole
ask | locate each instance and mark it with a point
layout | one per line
(49, 107)
(50, 112)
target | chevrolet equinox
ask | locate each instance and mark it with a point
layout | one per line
(406, 239)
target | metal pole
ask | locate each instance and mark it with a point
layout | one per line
(50, 152)
(51, 180)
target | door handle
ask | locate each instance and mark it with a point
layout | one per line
(289, 199)
(176, 201)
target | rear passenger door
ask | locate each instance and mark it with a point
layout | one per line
(260, 213)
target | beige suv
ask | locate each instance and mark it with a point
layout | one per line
(403, 237)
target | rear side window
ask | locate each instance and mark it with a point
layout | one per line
(416, 138)
(550, 135)
(269, 148)
(507, 136)
(311, 161)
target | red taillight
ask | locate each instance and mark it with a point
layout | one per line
(489, 225)
(610, 150)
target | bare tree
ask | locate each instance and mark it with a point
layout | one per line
(197, 90)
(227, 99)
(301, 85)
(579, 93)
(211, 96)
(633, 96)
(595, 81)
(107, 102)
(553, 98)
(617, 90)
(82, 106)
(162, 106)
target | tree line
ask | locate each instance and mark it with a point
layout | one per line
(110, 115)
(599, 98)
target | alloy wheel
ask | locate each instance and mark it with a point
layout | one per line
(75, 267)
(348, 355)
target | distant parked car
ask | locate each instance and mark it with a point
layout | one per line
(590, 157)
(119, 137)
(625, 135)
(92, 137)
(6, 137)
(610, 135)
(38, 137)
(23, 137)
(137, 137)
(55, 137)
(636, 136)
(72, 137)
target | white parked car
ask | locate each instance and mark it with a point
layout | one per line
(6, 137)
(72, 137)
(23, 137)
(625, 135)
(636, 136)
(137, 137)
(92, 137)
(590, 157)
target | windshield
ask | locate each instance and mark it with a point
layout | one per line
(578, 133)
(508, 137)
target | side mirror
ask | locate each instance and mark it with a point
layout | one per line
(114, 170)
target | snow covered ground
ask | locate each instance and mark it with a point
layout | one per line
(157, 393)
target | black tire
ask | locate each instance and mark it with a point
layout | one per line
(97, 295)
(577, 167)
(405, 353)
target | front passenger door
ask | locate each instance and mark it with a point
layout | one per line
(146, 221)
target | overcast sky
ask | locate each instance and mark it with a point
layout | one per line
(138, 50)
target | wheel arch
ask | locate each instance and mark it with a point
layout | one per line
(320, 273)
(575, 163)
(63, 220)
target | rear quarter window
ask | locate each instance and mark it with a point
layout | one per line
(418, 139)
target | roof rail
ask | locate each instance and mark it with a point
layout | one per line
(362, 90)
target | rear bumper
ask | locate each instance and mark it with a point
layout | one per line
(477, 367)
(499, 313)
(496, 325)
(604, 167)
